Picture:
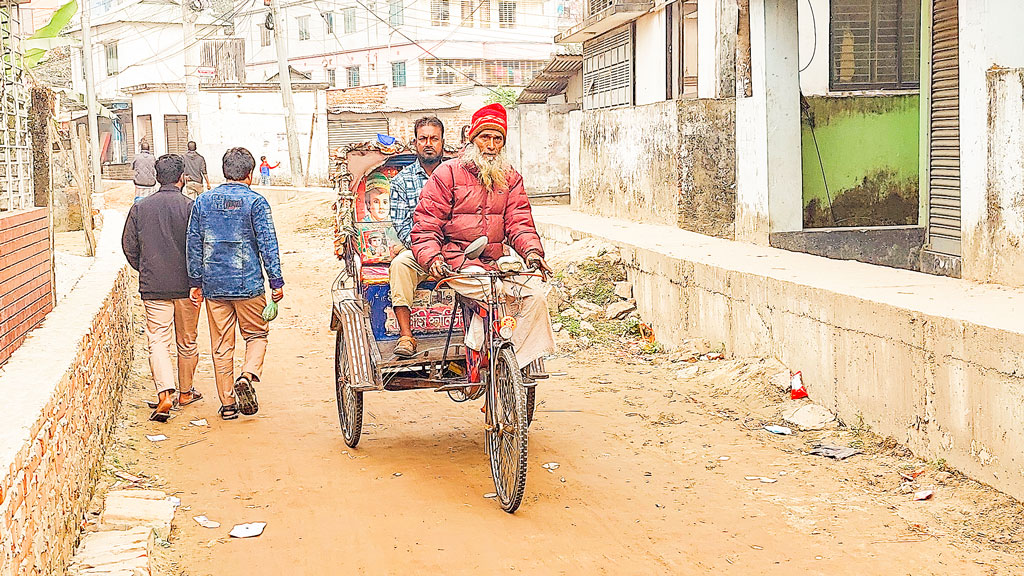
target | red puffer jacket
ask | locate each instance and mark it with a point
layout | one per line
(455, 209)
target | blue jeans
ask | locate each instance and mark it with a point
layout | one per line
(264, 179)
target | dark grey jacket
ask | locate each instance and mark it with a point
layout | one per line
(154, 243)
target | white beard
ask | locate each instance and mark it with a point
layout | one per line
(493, 171)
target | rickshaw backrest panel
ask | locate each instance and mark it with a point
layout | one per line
(431, 312)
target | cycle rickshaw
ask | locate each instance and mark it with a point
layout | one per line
(367, 331)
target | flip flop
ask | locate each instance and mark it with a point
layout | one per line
(245, 396)
(196, 397)
(160, 416)
(229, 412)
(174, 407)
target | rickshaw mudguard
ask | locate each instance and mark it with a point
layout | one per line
(360, 351)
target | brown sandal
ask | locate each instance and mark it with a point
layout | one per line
(406, 347)
(195, 394)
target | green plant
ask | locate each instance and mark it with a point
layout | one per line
(503, 95)
(48, 37)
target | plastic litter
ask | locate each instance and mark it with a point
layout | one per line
(781, 430)
(491, 495)
(550, 466)
(796, 386)
(199, 422)
(923, 495)
(156, 437)
(833, 452)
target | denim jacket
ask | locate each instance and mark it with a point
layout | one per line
(230, 232)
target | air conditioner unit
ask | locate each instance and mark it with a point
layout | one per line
(430, 72)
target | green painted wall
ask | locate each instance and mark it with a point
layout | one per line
(870, 147)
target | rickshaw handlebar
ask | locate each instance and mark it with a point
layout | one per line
(490, 274)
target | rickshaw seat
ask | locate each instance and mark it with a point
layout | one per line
(373, 274)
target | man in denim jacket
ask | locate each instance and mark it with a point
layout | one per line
(230, 240)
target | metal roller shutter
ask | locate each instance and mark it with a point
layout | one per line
(176, 133)
(944, 148)
(344, 132)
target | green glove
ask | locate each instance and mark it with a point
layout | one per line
(270, 312)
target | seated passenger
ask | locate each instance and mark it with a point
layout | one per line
(405, 273)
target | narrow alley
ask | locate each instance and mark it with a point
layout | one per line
(657, 472)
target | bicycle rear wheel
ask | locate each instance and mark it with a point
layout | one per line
(350, 402)
(507, 437)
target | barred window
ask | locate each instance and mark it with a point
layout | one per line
(332, 77)
(396, 12)
(486, 72)
(303, 22)
(353, 76)
(483, 14)
(875, 44)
(111, 51)
(439, 12)
(507, 13)
(608, 70)
(349, 14)
(398, 74)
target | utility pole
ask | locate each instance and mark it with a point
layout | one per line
(281, 44)
(90, 101)
(188, 24)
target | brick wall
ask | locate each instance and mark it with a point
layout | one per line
(46, 488)
(26, 280)
(368, 95)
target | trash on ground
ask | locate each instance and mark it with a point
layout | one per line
(796, 386)
(762, 479)
(199, 422)
(491, 495)
(250, 530)
(834, 452)
(911, 476)
(781, 430)
(723, 458)
(810, 417)
(550, 466)
(174, 500)
(127, 477)
(923, 495)
(713, 356)
(206, 522)
(397, 474)
(156, 437)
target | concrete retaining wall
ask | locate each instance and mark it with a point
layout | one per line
(61, 393)
(933, 362)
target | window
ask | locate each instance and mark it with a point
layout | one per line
(875, 44)
(398, 74)
(328, 23)
(439, 12)
(349, 14)
(507, 13)
(396, 12)
(486, 72)
(483, 13)
(608, 70)
(303, 27)
(467, 13)
(332, 77)
(111, 50)
(264, 33)
(353, 76)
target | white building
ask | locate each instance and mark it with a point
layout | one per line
(422, 44)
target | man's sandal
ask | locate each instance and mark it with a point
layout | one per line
(195, 395)
(406, 347)
(228, 412)
(162, 410)
(245, 394)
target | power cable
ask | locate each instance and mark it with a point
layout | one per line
(814, 50)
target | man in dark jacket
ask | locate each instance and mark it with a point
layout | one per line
(480, 194)
(230, 240)
(144, 172)
(154, 244)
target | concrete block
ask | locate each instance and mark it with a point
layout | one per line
(624, 290)
(618, 310)
(127, 509)
(116, 553)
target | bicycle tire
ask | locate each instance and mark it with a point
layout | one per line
(507, 436)
(350, 402)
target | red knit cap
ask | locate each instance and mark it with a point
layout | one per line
(490, 117)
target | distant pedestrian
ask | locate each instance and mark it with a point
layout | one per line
(265, 169)
(464, 136)
(230, 232)
(154, 244)
(144, 172)
(195, 172)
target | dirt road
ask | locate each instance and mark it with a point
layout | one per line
(652, 476)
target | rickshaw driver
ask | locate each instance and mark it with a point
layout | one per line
(405, 273)
(481, 194)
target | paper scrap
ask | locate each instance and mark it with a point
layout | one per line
(250, 530)
(156, 437)
(206, 522)
(199, 422)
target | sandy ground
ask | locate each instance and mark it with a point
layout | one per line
(652, 475)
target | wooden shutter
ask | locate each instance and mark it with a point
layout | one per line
(176, 131)
(944, 131)
(608, 70)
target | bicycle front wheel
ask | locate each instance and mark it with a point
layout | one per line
(507, 436)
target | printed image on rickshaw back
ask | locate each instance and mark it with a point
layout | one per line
(377, 240)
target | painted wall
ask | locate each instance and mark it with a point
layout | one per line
(814, 17)
(538, 146)
(869, 149)
(989, 38)
(998, 249)
(650, 58)
(253, 119)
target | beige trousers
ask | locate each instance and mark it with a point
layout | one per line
(405, 273)
(163, 317)
(223, 316)
(527, 303)
(193, 189)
